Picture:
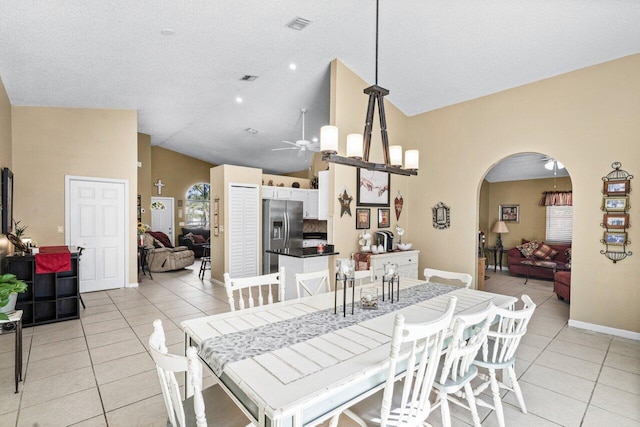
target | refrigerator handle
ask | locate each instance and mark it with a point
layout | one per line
(286, 229)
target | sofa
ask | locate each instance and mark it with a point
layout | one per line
(162, 256)
(561, 259)
(194, 239)
(562, 285)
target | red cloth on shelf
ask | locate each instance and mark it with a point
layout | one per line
(53, 259)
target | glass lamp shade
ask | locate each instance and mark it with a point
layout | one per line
(354, 145)
(329, 139)
(395, 155)
(412, 159)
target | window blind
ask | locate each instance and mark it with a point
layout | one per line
(559, 224)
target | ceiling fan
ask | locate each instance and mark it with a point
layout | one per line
(551, 164)
(302, 145)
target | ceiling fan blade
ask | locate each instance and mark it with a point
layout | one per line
(289, 142)
(280, 149)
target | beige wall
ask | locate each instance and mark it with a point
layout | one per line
(5, 154)
(49, 143)
(348, 108)
(527, 194)
(586, 119)
(221, 177)
(576, 118)
(144, 175)
(178, 172)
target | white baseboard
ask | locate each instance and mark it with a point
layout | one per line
(605, 329)
(132, 285)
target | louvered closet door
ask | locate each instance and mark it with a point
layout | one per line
(244, 204)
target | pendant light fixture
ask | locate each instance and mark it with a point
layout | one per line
(358, 146)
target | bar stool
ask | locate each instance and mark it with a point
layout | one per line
(205, 260)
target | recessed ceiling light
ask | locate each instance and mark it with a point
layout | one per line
(167, 32)
(314, 139)
(292, 66)
(238, 100)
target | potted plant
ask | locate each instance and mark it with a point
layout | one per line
(10, 287)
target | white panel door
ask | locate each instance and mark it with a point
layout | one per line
(244, 230)
(96, 222)
(162, 216)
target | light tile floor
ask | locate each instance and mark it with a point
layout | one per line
(97, 371)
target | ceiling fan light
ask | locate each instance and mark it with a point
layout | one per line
(329, 139)
(354, 146)
(560, 165)
(549, 165)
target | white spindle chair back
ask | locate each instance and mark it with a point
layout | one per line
(167, 365)
(312, 283)
(465, 278)
(250, 289)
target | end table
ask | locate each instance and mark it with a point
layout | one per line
(15, 319)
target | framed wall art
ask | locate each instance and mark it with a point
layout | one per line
(616, 221)
(363, 218)
(373, 188)
(384, 218)
(615, 238)
(615, 204)
(509, 213)
(617, 188)
(7, 201)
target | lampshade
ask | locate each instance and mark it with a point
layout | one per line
(412, 159)
(354, 145)
(329, 139)
(499, 227)
(395, 155)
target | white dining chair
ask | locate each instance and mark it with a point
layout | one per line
(468, 333)
(499, 352)
(363, 277)
(253, 288)
(465, 278)
(312, 283)
(211, 404)
(404, 401)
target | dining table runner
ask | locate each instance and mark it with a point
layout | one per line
(217, 352)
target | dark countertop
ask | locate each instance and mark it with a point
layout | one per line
(302, 252)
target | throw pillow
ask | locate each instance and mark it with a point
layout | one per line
(545, 252)
(190, 237)
(527, 249)
(198, 238)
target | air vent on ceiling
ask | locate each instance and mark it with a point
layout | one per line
(248, 78)
(252, 131)
(298, 23)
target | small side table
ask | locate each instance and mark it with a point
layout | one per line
(497, 256)
(143, 261)
(15, 319)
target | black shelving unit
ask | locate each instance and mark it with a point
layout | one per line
(50, 297)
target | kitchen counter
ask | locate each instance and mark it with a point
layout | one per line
(302, 252)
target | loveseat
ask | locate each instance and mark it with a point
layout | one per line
(161, 256)
(193, 239)
(561, 259)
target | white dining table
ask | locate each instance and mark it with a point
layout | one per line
(310, 381)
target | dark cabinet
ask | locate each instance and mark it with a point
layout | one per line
(50, 297)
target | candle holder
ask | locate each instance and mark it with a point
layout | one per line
(344, 273)
(389, 279)
(369, 298)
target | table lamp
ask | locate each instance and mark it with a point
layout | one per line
(499, 227)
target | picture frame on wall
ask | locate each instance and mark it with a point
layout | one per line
(615, 204)
(616, 220)
(615, 238)
(384, 218)
(509, 213)
(617, 187)
(374, 188)
(7, 201)
(363, 218)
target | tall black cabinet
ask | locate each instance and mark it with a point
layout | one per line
(50, 297)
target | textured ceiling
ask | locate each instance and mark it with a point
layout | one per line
(111, 54)
(523, 166)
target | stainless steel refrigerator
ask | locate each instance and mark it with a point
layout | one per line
(281, 228)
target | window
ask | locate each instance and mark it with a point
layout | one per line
(198, 206)
(559, 223)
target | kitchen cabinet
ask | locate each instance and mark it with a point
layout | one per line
(407, 263)
(323, 195)
(309, 199)
(269, 192)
